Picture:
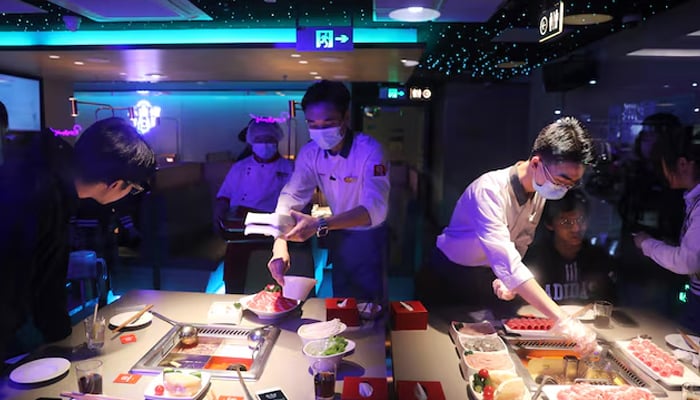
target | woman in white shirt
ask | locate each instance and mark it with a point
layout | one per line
(680, 162)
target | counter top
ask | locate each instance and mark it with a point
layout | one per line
(286, 367)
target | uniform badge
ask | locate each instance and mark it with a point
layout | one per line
(379, 170)
(349, 179)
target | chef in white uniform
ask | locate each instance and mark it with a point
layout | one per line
(352, 172)
(252, 184)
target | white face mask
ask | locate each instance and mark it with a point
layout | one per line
(326, 138)
(548, 189)
(265, 151)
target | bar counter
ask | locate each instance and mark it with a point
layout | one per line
(287, 367)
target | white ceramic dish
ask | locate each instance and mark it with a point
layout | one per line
(472, 329)
(119, 319)
(676, 340)
(318, 345)
(262, 314)
(551, 391)
(671, 381)
(150, 392)
(42, 370)
(320, 330)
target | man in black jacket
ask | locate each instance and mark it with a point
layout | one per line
(41, 180)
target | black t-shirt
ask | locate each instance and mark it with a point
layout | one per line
(585, 278)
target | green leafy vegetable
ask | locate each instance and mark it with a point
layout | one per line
(336, 344)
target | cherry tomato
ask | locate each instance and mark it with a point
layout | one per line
(484, 373)
(488, 392)
(159, 390)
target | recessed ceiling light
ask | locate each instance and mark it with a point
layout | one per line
(665, 53)
(696, 109)
(557, 112)
(54, 56)
(313, 73)
(340, 77)
(586, 19)
(155, 75)
(122, 73)
(303, 62)
(142, 91)
(295, 55)
(694, 84)
(592, 82)
(318, 77)
(98, 60)
(331, 59)
(78, 63)
(511, 64)
(414, 14)
(409, 63)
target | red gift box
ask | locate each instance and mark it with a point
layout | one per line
(405, 319)
(349, 314)
(351, 388)
(406, 390)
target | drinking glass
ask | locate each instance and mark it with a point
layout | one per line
(602, 311)
(89, 374)
(324, 379)
(95, 332)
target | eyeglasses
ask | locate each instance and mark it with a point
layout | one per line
(550, 177)
(135, 188)
(570, 222)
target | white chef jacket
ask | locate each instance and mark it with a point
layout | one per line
(493, 224)
(683, 259)
(253, 184)
(357, 176)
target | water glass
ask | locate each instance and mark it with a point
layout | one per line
(95, 332)
(89, 374)
(602, 311)
(324, 379)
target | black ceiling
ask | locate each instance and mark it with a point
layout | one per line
(463, 51)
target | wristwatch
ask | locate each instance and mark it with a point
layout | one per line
(322, 229)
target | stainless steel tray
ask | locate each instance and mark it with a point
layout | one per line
(207, 356)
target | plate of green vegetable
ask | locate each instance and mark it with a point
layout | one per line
(332, 349)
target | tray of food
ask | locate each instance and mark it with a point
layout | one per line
(269, 303)
(584, 391)
(529, 326)
(178, 384)
(657, 363)
(494, 384)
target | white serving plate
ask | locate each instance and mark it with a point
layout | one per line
(676, 340)
(551, 391)
(670, 381)
(119, 319)
(262, 314)
(41, 370)
(150, 392)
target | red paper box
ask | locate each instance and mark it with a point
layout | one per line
(405, 319)
(351, 388)
(406, 390)
(349, 314)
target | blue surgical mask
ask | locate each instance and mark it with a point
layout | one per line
(326, 138)
(549, 190)
(265, 151)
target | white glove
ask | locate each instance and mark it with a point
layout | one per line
(501, 291)
(575, 331)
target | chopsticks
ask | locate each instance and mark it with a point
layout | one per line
(133, 318)
(86, 396)
(690, 342)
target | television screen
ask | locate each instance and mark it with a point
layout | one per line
(22, 98)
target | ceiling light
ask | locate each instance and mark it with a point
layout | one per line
(295, 55)
(586, 19)
(696, 109)
(122, 73)
(340, 77)
(557, 112)
(318, 77)
(54, 57)
(592, 82)
(665, 53)
(331, 59)
(409, 63)
(313, 73)
(511, 64)
(142, 92)
(155, 75)
(414, 14)
(694, 84)
(78, 63)
(303, 62)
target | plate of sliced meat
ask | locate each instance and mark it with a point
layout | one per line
(269, 303)
(584, 391)
(657, 363)
(529, 326)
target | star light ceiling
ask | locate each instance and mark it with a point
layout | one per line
(465, 51)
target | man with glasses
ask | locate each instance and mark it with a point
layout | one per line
(351, 171)
(569, 268)
(494, 222)
(38, 194)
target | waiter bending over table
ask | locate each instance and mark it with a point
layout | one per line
(351, 171)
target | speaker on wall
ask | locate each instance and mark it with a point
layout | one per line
(561, 76)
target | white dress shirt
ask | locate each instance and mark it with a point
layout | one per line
(357, 176)
(683, 259)
(492, 225)
(253, 184)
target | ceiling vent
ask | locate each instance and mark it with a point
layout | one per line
(135, 10)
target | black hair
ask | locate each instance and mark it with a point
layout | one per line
(564, 140)
(679, 142)
(574, 199)
(328, 91)
(4, 121)
(110, 150)
(659, 123)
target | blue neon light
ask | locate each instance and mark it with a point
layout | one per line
(190, 36)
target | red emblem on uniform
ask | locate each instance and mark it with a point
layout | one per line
(379, 170)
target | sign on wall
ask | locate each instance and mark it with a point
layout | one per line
(324, 38)
(551, 22)
(145, 116)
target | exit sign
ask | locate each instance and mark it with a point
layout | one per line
(552, 22)
(324, 38)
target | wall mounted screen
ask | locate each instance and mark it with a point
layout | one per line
(22, 98)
